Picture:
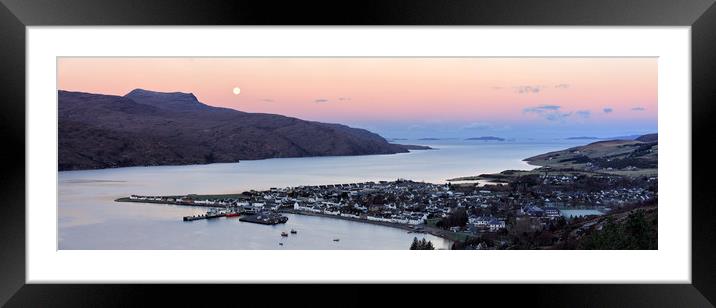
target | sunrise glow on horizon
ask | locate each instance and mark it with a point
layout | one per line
(402, 97)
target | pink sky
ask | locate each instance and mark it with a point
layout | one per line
(469, 90)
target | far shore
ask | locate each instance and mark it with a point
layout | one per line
(409, 147)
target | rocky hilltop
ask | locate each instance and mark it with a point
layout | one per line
(146, 128)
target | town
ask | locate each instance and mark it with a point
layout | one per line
(492, 216)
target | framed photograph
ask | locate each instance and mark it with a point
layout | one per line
(521, 146)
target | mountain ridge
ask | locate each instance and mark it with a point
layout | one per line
(147, 128)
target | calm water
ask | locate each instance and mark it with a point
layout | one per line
(90, 219)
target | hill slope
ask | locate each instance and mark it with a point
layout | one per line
(153, 128)
(632, 158)
(612, 155)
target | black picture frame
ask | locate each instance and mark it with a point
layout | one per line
(700, 15)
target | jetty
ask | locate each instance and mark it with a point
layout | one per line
(265, 218)
(209, 215)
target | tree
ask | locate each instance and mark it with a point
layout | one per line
(633, 233)
(456, 218)
(421, 245)
(415, 244)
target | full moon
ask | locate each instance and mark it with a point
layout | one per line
(237, 90)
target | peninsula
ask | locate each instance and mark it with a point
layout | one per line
(527, 210)
(148, 128)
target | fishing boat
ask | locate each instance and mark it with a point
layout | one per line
(214, 213)
(293, 231)
(284, 234)
(232, 214)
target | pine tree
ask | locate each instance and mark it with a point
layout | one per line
(415, 244)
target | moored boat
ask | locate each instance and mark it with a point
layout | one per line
(284, 234)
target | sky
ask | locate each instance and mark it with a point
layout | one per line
(538, 98)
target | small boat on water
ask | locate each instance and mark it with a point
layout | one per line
(293, 231)
(232, 214)
(280, 244)
(336, 239)
(284, 234)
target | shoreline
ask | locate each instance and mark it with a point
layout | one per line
(426, 227)
(444, 234)
(409, 147)
(413, 147)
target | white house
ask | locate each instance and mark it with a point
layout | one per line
(496, 225)
(481, 221)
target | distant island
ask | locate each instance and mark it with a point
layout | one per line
(148, 128)
(487, 138)
(582, 138)
(434, 138)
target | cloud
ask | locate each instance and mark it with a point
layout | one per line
(607, 110)
(562, 86)
(542, 109)
(497, 88)
(584, 113)
(528, 89)
(326, 100)
(638, 109)
(557, 116)
(267, 100)
(548, 112)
